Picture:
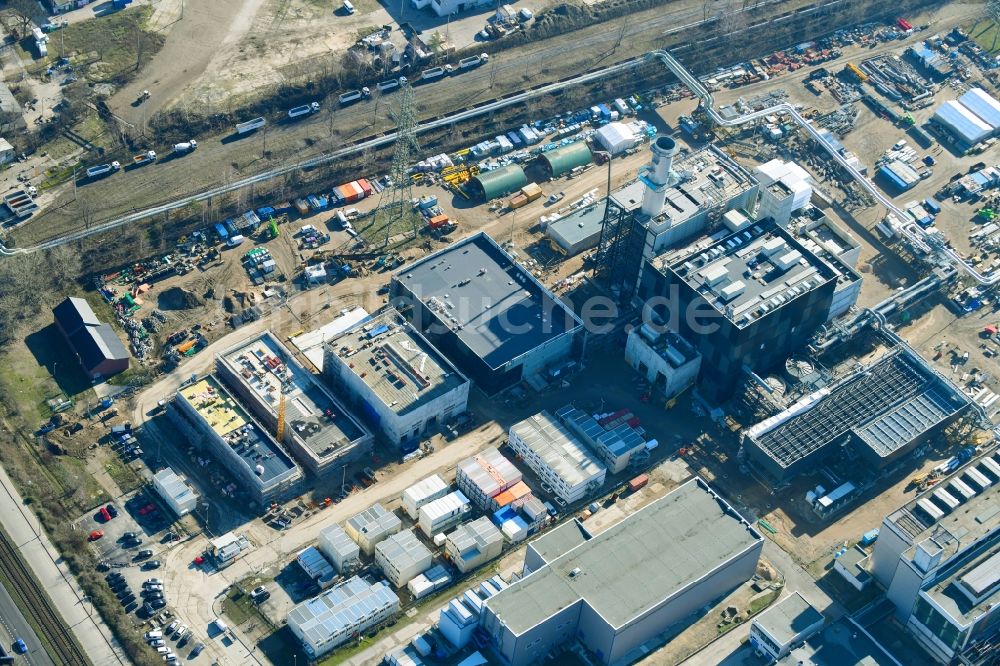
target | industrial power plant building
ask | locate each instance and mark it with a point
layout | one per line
(938, 558)
(557, 457)
(761, 294)
(399, 382)
(882, 411)
(671, 202)
(341, 613)
(632, 582)
(211, 418)
(487, 313)
(318, 430)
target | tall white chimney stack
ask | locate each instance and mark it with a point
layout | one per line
(658, 176)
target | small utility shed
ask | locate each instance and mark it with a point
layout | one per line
(489, 185)
(564, 159)
(790, 621)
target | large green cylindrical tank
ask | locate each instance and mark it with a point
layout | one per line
(566, 158)
(499, 182)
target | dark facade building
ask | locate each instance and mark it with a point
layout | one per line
(97, 347)
(744, 300)
(486, 313)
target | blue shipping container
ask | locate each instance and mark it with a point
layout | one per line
(221, 230)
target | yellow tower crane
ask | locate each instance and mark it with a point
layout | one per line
(280, 430)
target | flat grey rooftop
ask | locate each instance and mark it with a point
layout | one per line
(840, 644)
(397, 363)
(788, 618)
(635, 565)
(560, 540)
(559, 448)
(313, 415)
(578, 226)
(491, 303)
(746, 274)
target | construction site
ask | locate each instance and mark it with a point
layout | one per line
(853, 366)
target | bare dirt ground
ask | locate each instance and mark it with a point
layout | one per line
(194, 39)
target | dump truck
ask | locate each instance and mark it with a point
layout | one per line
(435, 73)
(354, 96)
(473, 61)
(102, 170)
(250, 125)
(144, 158)
(185, 147)
(304, 110)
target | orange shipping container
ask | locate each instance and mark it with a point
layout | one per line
(519, 201)
(437, 221)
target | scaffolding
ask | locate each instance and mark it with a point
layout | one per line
(618, 256)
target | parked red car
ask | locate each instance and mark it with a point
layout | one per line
(105, 514)
(95, 535)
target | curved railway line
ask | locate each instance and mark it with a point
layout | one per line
(38, 606)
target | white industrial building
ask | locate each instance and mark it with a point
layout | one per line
(628, 585)
(402, 557)
(395, 378)
(459, 619)
(422, 492)
(617, 137)
(474, 544)
(557, 457)
(444, 513)
(965, 125)
(788, 622)
(175, 491)
(371, 526)
(785, 187)
(338, 547)
(341, 613)
(485, 475)
(984, 105)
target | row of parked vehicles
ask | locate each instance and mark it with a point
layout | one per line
(250, 126)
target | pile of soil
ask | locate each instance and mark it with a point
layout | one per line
(178, 298)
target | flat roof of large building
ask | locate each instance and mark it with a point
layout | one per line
(255, 447)
(559, 448)
(885, 405)
(959, 510)
(560, 540)
(840, 644)
(396, 362)
(312, 414)
(788, 618)
(635, 565)
(498, 309)
(746, 274)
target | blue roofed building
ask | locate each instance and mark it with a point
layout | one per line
(341, 613)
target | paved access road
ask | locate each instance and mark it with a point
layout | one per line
(13, 625)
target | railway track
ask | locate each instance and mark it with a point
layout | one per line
(38, 606)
